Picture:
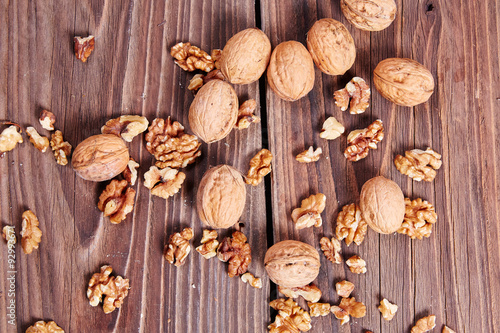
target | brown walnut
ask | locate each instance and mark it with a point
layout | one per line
(369, 15)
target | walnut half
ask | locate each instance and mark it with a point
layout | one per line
(350, 225)
(237, 251)
(260, 166)
(190, 58)
(117, 201)
(30, 233)
(344, 288)
(309, 213)
(9, 234)
(44, 327)
(331, 249)
(115, 289)
(418, 164)
(164, 183)
(419, 218)
(47, 120)
(290, 318)
(361, 141)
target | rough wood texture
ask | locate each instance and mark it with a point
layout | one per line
(454, 274)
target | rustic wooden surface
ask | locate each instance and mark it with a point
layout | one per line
(454, 274)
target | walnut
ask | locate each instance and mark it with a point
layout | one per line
(252, 280)
(331, 249)
(373, 16)
(309, 155)
(216, 55)
(130, 172)
(318, 309)
(209, 244)
(10, 137)
(358, 91)
(350, 225)
(309, 213)
(83, 47)
(199, 79)
(356, 265)
(196, 82)
(115, 289)
(116, 202)
(418, 164)
(169, 144)
(178, 247)
(419, 218)
(332, 129)
(360, 141)
(290, 318)
(44, 327)
(424, 324)
(30, 233)
(387, 309)
(310, 293)
(47, 120)
(237, 251)
(190, 58)
(344, 288)
(40, 142)
(245, 114)
(348, 307)
(171, 181)
(260, 165)
(446, 329)
(9, 234)
(61, 148)
(128, 127)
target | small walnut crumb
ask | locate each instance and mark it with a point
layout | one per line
(358, 91)
(344, 288)
(290, 318)
(40, 142)
(237, 251)
(318, 309)
(61, 148)
(115, 289)
(178, 247)
(30, 233)
(164, 183)
(424, 324)
(356, 265)
(260, 165)
(252, 280)
(117, 201)
(309, 213)
(10, 137)
(348, 307)
(128, 127)
(9, 234)
(387, 309)
(446, 329)
(209, 244)
(47, 120)
(309, 155)
(350, 225)
(310, 293)
(245, 114)
(419, 218)
(44, 327)
(419, 164)
(190, 58)
(332, 129)
(130, 172)
(331, 249)
(361, 141)
(216, 54)
(84, 47)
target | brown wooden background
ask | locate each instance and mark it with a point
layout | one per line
(455, 274)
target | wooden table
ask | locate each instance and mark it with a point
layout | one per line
(454, 274)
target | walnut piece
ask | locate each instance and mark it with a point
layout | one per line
(356, 265)
(419, 164)
(237, 251)
(290, 318)
(115, 289)
(128, 127)
(196, 82)
(130, 172)
(216, 54)
(310, 293)
(178, 247)
(344, 288)
(245, 114)
(424, 324)
(191, 58)
(361, 141)
(419, 218)
(117, 201)
(350, 225)
(387, 309)
(310, 155)
(199, 79)
(83, 47)
(358, 91)
(260, 165)
(10, 137)
(348, 307)
(446, 329)
(164, 183)
(318, 309)
(169, 144)
(209, 244)
(331, 249)
(44, 327)
(47, 120)
(40, 142)
(61, 148)
(9, 234)
(309, 213)
(332, 129)
(30, 233)
(252, 280)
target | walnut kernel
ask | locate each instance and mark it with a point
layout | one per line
(356, 265)
(164, 183)
(252, 280)
(117, 201)
(446, 329)
(332, 129)
(9, 234)
(115, 289)
(318, 309)
(237, 251)
(209, 244)
(128, 127)
(190, 58)
(348, 307)
(419, 218)
(310, 293)
(309, 155)
(47, 120)
(30, 233)
(358, 91)
(309, 213)
(418, 164)
(44, 327)
(40, 142)
(10, 137)
(290, 318)
(331, 249)
(424, 324)
(245, 114)
(260, 165)
(61, 148)
(130, 172)
(178, 247)
(196, 82)
(361, 141)
(387, 309)
(344, 288)
(350, 225)
(83, 47)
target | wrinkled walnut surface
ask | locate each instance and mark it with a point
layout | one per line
(419, 218)
(331, 249)
(418, 164)
(309, 213)
(359, 142)
(260, 166)
(350, 225)
(117, 201)
(178, 247)
(369, 15)
(237, 251)
(30, 233)
(115, 289)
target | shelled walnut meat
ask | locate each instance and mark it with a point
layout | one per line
(10, 137)
(237, 252)
(60, 148)
(30, 233)
(252, 280)
(319, 309)
(83, 47)
(114, 289)
(40, 142)
(190, 58)
(209, 244)
(331, 249)
(130, 172)
(164, 183)
(419, 164)
(44, 327)
(199, 79)
(178, 247)
(290, 318)
(117, 201)
(387, 309)
(419, 218)
(47, 120)
(356, 264)
(128, 126)
(424, 324)
(310, 293)
(348, 307)
(260, 166)
(357, 92)
(369, 15)
(9, 234)
(361, 141)
(310, 155)
(245, 114)
(332, 129)
(350, 225)
(309, 213)
(344, 288)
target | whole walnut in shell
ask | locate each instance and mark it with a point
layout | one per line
(214, 111)
(100, 157)
(290, 73)
(331, 46)
(292, 264)
(403, 81)
(382, 204)
(369, 15)
(221, 197)
(245, 56)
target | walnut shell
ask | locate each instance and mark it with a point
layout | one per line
(214, 111)
(292, 264)
(291, 71)
(100, 157)
(382, 204)
(403, 81)
(369, 15)
(245, 56)
(331, 46)
(221, 197)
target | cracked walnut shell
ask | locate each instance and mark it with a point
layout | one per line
(40, 142)
(191, 58)
(419, 164)
(350, 225)
(252, 280)
(331, 249)
(164, 183)
(61, 148)
(358, 92)
(83, 47)
(332, 129)
(115, 289)
(344, 288)
(424, 324)
(237, 251)
(309, 213)
(44, 327)
(419, 218)
(260, 166)
(309, 155)
(30, 233)
(356, 265)
(387, 309)
(348, 307)
(209, 244)
(178, 247)
(369, 15)
(318, 309)
(128, 127)
(10, 137)
(290, 318)
(245, 114)
(117, 201)
(47, 120)
(310, 293)
(361, 141)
